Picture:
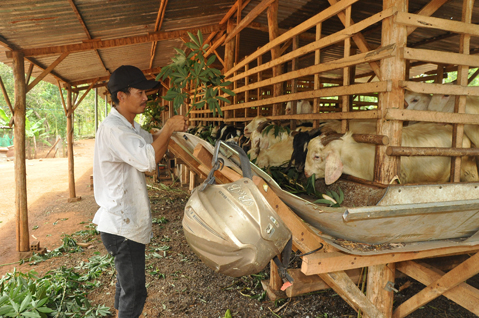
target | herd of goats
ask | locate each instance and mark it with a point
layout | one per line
(327, 153)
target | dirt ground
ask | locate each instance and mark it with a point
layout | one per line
(179, 284)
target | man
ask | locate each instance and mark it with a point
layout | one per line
(123, 152)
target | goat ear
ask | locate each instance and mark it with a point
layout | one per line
(333, 168)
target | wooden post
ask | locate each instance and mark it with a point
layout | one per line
(460, 105)
(275, 52)
(229, 56)
(23, 237)
(71, 165)
(394, 69)
(317, 80)
(259, 90)
(379, 293)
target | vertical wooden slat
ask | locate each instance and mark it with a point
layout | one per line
(346, 75)
(317, 79)
(275, 52)
(393, 69)
(294, 82)
(229, 57)
(259, 78)
(71, 165)
(460, 105)
(246, 93)
(23, 237)
(237, 37)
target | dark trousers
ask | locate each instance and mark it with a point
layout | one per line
(130, 292)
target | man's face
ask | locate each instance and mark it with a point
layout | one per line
(135, 102)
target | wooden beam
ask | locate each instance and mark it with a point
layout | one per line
(237, 37)
(84, 95)
(253, 14)
(358, 38)
(438, 57)
(105, 44)
(319, 44)
(308, 24)
(429, 88)
(21, 207)
(29, 73)
(339, 261)
(158, 23)
(324, 67)
(463, 294)
(451, 279)
(437, 23)
(62, 98)
(306, 36)
(272, 15)
(47, 71)
(427, 10)
(5, 95)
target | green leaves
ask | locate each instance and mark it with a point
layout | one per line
(332, 198)
(193, 80)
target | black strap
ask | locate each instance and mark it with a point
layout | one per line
(283, 265)
(218, 163)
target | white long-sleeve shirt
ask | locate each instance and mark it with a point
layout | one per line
(122, 154)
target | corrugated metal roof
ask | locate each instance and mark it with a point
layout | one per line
(27, 24)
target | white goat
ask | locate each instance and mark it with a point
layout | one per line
(260, 142)
(416, 101)
(277, 155)
(341, 154)
(302, 107)
(445, 103)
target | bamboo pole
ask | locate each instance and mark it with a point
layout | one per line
(23, 237)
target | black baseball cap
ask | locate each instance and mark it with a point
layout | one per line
(129, 76)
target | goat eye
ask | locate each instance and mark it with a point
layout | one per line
(415, 100)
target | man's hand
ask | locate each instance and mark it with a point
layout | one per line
(177, 123)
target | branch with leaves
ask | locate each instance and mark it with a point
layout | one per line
(192, 77)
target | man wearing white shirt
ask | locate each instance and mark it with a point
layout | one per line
(123, 152)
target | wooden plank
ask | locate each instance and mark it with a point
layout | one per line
(249, 18)
(432, 151)
(320, 43)
(427, 10)
(104, 44)
(324, 92)
(179, 152)
(449, 280)
(47, 71)
(463, 294)
(317, 78)
(21, 207)
(338, 261)
(346, 74)
(303, 27)
(428, 88)
(306, 284)
(430, 116)
(273, 30)
(439, 57)
(437, 23)
(381, 53)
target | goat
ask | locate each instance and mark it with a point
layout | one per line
(276, 155)
(330, 155)
(416, 101)
(260, 141)
(445, 103)
(253, 125)
(302, 107)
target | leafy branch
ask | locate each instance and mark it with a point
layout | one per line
(191, 76)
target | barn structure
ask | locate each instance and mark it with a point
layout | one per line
(353, 59)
